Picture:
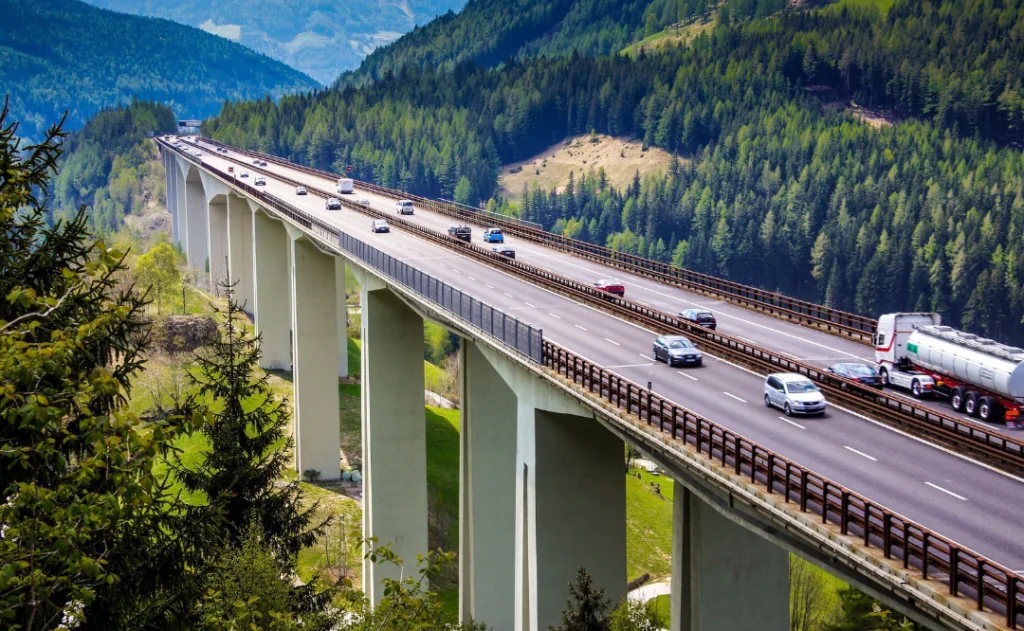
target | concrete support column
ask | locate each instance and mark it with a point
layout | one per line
(272, 290)
(570, 512)
(181, 204)
(197, 221)
(315, 358)
(487, 507)
(724, 577)
(171, 193)
(342, 315)
(218, 241)
(241, 267)
(394, 434)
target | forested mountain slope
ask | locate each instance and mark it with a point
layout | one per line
(112, 166)
(777, 191)
(58, 55)
(322, 39)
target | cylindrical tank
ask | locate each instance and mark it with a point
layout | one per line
(968, 358)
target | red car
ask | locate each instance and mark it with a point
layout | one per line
(611, 286)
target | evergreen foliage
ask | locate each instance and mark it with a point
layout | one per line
(587, 607)
(68, 55)
(89, 536)
(112, 166)
(778, 192)
(249, 445)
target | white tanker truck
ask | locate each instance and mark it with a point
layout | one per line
(979, 376)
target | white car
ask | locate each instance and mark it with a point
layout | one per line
(379, 225)
(793, 394)
(260, 181)
(300, 190)
(364, 202)
(333, 203)
(404, 207)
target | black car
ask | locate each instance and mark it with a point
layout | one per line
(861, 373)
(465, 233)
(505, 251)
(677, 349)
(700, 317)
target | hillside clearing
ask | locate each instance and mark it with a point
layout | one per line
(549, 169)
(681, 33)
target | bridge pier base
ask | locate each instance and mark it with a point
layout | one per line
(272, 290)
(724, 577)
(394, 433)
(315, 357)
(218, 241)
(241, 268)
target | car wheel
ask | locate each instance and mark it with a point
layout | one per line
(767, 401)
(916, 389)
(884, 374)
(788, 410)
(956, 399)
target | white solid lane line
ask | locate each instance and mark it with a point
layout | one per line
(946, 491)
(612, 341)
(860, 453)
(554, 316)
(794, 423)
(687, 375)
(734, 397)
(580, 327)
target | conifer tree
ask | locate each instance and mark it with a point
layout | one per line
(586, 609)
(249, 444)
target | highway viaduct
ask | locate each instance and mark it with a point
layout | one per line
(541, 484)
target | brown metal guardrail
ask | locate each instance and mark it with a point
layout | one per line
(992, 587)
(853, 326)
(963, 436)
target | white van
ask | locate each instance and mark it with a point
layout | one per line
(346, 185)
(404, 207)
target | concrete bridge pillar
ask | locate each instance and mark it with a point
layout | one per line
(342, 315)
(241, 267)
(315, 358)
(543, 494)
(394, 432)
(272, 290)
(181, 208)
(724, 577)
(170, 168)
(487, 507)
(197, 222)
(217, 236)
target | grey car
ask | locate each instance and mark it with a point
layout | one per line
(793, 394)
(677, 349)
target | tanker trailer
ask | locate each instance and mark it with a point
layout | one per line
(978, 376)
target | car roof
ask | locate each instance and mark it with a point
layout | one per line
(789, 377)
(673, 338)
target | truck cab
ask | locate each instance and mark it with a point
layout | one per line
(890, 340)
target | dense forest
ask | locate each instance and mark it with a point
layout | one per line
(772, 189)
(111, 166)
(68, 55)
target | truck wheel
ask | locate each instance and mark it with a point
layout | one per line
(956, 399)
(884, 374)
(971, 403)
(916, 389)
(989, 409)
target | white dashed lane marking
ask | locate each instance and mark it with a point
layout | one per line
(947, 491)
(860, 453)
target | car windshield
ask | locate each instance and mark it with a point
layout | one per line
(861, 370)
(797, 387)
(680, 344)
